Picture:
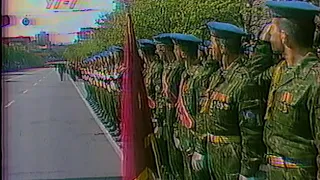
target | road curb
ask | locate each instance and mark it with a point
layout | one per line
(101, 126)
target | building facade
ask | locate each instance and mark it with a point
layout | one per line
(42, 39)
(20, 42)
(85, 33)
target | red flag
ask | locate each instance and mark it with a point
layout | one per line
(135, 114)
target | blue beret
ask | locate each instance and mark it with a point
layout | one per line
(96, 57)
(185, 38)
(293, 9)
(157, 42)
(164, 38)
(115, 48)
(225, 30)
(146, 44)
(106, 53)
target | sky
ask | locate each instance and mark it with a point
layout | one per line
(59, 24)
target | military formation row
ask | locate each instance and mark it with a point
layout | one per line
(219, 114)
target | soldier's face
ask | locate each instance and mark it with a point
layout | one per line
(140, 53)
(200, 54)
(215, 49)
(160, 51)
(115, 56)
(275, 36)
(179, 54)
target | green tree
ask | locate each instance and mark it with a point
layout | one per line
(14, 58)
(152, 17)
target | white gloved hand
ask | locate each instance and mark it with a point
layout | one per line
(197, 161)
(157, 130)
(176, 142)
(241, 177)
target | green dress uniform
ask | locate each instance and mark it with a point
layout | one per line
(115, 86)
(234, 113)
(193, 86)
(292, 129)
(171, 81)
(153, 69)
(106, 94)
(192, 91)
(185, 105)
(172, 70)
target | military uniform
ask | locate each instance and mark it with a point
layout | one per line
(234, 114)
(171, 75)
(291, 131)
(116, 90)
(153, 69)
(193, 85)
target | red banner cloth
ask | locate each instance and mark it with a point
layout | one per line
(135, 113)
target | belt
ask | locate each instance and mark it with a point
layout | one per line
(221, 139)
(284, 162)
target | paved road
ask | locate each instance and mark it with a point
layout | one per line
(49, 131)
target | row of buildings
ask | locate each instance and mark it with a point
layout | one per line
(42, 40)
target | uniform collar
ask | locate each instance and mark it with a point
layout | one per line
(228, 73)
(303, 67)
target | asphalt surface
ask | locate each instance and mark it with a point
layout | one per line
(48, 131)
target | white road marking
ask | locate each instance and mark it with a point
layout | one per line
(25, 91)
(9, 104)
(13, 78)
(35, 84)
(39, 80)
(36, 70)
(44, 77)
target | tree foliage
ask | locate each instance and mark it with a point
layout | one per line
(152, 17)
(14, 59)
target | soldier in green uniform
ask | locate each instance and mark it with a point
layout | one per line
(115, 86)
(62, 70)
(98, 85)
(87, 71)
(98, 109)
(95, 106)
(292, 129)
(233, 111)
(198, 85)
(171, 75)
(91, 88)
(153, 69)
(188, 109)
(101, 62)
(103, 92)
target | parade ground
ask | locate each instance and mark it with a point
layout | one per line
(50, 133)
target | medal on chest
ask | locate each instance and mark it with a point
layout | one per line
(220, 101)
(285, 101)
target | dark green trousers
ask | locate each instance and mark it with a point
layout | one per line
(275, 173)
(224, 161)
(175, 157)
